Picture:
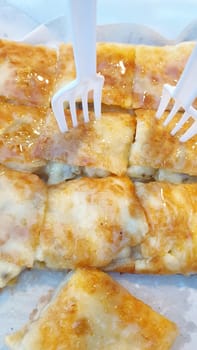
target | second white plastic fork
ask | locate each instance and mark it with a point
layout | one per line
(83, 19)
(183, 94)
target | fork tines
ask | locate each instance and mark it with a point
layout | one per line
(71, 94)
(168, 93)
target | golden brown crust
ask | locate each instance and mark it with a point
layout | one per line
(114, 61)
(154, 67)
(20, 127)
(108, 223)
(156, 148)
(171, 211)
(21, 188)
(90, 221)
(92, 311)
(28, 73)
(22, 203)
(134, 75)
(65, 66)
(170, 245)
(102, 144)
(30, 137)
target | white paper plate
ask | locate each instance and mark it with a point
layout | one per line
(172, 296)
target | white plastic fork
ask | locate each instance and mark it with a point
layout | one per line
(183, 94)
(83, 19)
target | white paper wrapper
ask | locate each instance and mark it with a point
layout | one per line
(22, 23)
(172, 296)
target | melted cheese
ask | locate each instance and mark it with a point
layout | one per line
(22, 204)
(95, 172)
(89, 221)
(92, 311)
(169, 176)
(59, 172)
(140, 172)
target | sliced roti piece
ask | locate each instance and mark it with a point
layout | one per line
(92, 311)
(89, 222)
(22, 209)
(30, 139)
(103, 144)
(28, 73)
(170, 246)
(155, 147)
(20, 127)
(154, 67)
(114, 61)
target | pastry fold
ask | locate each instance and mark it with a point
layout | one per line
(89, 222)
(30, 139)
(116, 62)
(154, 147)
(28, 73)
(170, 245)
(92, 311)
(22, 209)
(154, 67)
(20, 127)
(103, 144)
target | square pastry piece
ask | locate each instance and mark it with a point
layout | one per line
(116, 62)
(90, 222)
(102, 144)
(28, 73)
(93, 312)
(20, 128)
(170, 246)
(154, 67)
(22, 207)
(155, 148)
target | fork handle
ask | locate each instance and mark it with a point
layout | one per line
(83, 19)
(186, 87)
